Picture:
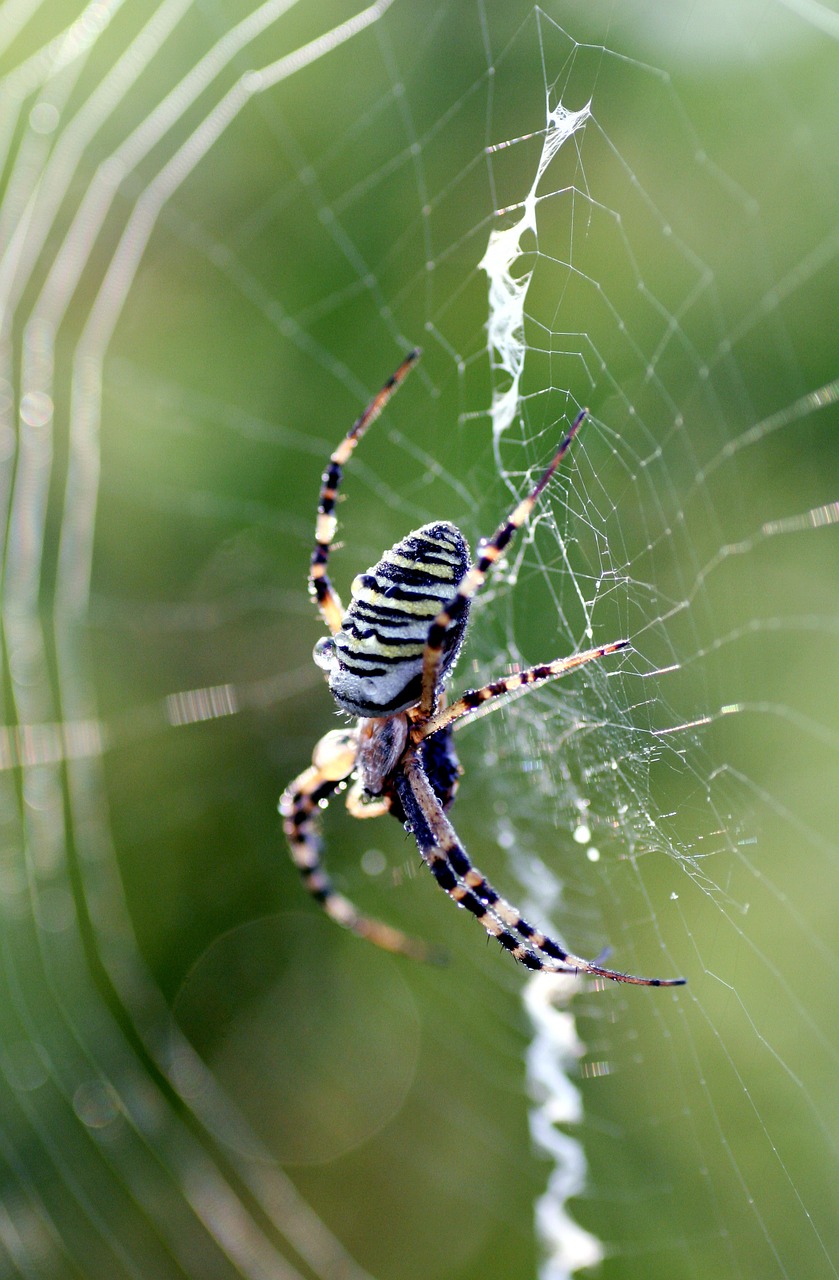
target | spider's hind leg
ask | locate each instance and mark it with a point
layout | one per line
(300, 806)
(466, 885)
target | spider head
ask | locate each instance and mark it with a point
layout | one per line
(375, 660)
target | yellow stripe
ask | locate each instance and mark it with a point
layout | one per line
(372, 648)
(436, 570)
(472, 582)
(521, 512)
(325, 527)
(422, 607)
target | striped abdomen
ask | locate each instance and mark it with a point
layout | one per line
(377, 667)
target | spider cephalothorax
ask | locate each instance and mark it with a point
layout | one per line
(387, 660)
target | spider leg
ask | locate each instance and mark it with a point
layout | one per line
(475, 578)
(359, 805)
(490, 697)
(327, 599)
(300, 806)
(467, 886)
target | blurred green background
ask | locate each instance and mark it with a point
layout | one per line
(201, 1076)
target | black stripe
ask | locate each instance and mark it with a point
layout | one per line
(331, 477)
(370, 662)
(473, 904)
(551, 949)
(442, 873)
(413, 576)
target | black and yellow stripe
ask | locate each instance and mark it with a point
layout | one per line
(379, 649)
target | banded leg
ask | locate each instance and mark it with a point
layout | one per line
(300, 806)
(327, 599)
(466, 885)
(475, 578)
(490, 697)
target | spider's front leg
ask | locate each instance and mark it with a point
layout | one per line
(489, 551)
(332, 611)
(333, 761)
(491, 696)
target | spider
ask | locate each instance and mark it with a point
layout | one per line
(387, 659)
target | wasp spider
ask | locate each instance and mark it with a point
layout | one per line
(387, 659)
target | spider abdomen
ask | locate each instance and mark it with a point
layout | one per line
(377, 668)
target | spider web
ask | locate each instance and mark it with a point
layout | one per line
(219, 232)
